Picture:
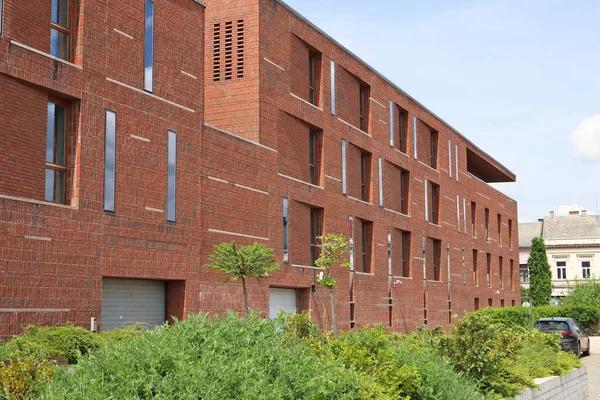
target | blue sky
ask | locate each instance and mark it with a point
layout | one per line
(520, 79)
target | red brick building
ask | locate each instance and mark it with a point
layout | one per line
(136, 135)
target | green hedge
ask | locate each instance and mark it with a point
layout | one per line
(587, 316)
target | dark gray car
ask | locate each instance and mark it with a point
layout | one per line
(573, 338)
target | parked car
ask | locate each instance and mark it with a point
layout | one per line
(573, 339)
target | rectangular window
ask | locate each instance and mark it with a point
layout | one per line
(404, 186)
(512, 274)
(426, 199)
(149, 47)
(436, 256)
(475, 270)
(364, 107)
(585, 269)
(450, 158)
(474, 219)
(284, 230)
(315, 157)
(332, 77)
(561, 270)
(1, 9)
(402, 129)
(314, 77)
(501, 271)
(499, 230)
(110, 144)
(456, 160)
(316, 230)
(171, 175)
(364, 177)
(510, 244)
(392, 108)
(344, 186)
(512, 303)
(487, 223)
(380, 182)
(366, 231)
(502, 303)
(59, 29)
(490, 302)
(405, 254)
(434, 203)
(488, 257)
(415, 135)
(433, 144)
(56, 160)
(524, 273)
(476, 305)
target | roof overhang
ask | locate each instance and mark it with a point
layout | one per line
(487, 169)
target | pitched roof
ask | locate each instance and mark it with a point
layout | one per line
(527, 231)
(571, 227)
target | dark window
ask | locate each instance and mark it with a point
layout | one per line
(501, 271)
(561, 270)
(171, 175)
(316, 230)
(433, 143)
(365, 176)
(512, 275)
(110, 145)
(487, 223)
(512, 303)
(315, 157)
(405, 253)
(524, 273)
(149, 46)
(488, 258)
(366, 232)
(474, 219)
(314, 81)
(402, 129)
(364, 107)
(585, 269)
(434, 203)
(502, 303)
(437, 251)
(1, 8)
(510, 244)
(404, 187)
(476, 303)
(56, 161)
(59, 29)
(475, 270)
(284, 240)
(499, 230)
(490, 302)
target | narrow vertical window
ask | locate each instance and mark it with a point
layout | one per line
(436, 255)
(59, 29)
(1, 8)
(426, 200)
(405, 254)
(465, 213)
(488, 257)
(364, 107)
(404, 186)
(365, 250)
(501, 271)
(314, 62)
(110, 144)
(380, 182)
(312, 148)
(510, 244)
(450, 158)
(512, 275)
(364, 184)
(456, 160)
(475, 270)
(284, 239)
(433, 152)
(476, 303)
(315, 232)
(332, 87)
(585, 269)
(415, 135)
(171, 175)
(149, 46)
(392, 123)
(402, 129)
(458, 212)
(499, 230)
(56, 164)
(351, 252)
(344, 187)
(474, 219)
(487, 223)
(435, 203)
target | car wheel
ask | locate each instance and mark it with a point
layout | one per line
(578, 352)
(587, 351)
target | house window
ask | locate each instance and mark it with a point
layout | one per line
(405, 253)
(1, 7)
(490, 303)
(501, 271)
(56, 161)
(434, 202)
(476, 306)
(585, 269)
(512, 275)
(510, 244)
(110, 144)
(316, 230)
(523, 273)
(402, 129)
(364, 95)
(433, 143)
(366, 232)
(487, 223)
(171, 175)
(475, 271)
(561, 270)
(59, 29)
(284, 239)
(489, 269)
(499, 230)
(502, 303)
(149, 46)
(314, 81)
(404, 186)
(365, 176)
(473, 219)
(436, 256)
(315, 157)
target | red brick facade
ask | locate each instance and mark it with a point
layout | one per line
(243, 128)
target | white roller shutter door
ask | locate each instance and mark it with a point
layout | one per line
(282, 298)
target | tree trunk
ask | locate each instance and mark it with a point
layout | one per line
(333, 319)
(245, 297)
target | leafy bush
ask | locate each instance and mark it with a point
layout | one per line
(586, 315)
(226, 358)
(69, 341)
(17, 377)
(584, 293)
(525, 317)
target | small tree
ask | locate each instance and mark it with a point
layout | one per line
(584, 293)
(540, 276)
(255, 260)
(334, 249)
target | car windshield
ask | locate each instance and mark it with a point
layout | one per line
(552, 326)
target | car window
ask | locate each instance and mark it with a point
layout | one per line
(577, 328)
(552, 326)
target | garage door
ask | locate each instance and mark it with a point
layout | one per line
(282, 298)
(130, 300)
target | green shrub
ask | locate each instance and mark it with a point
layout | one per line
(17, 378)
(584, 293)
(224, 358)
(587, 316)
(525, 317)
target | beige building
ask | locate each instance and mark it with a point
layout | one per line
(572, 246)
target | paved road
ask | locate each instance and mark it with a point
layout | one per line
(593, 372)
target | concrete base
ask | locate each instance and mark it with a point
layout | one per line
(595, 344)
(572, 386)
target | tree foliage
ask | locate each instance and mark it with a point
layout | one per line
(255, 260)
(584, 293)
(540, 276)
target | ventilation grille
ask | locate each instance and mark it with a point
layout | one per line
(228, 50)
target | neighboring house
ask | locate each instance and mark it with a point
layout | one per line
(527, 231)
(572, 247)
(138, 134)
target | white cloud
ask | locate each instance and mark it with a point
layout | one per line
(586, 138)
(564, 209)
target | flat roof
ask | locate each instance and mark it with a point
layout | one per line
(296, 13)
